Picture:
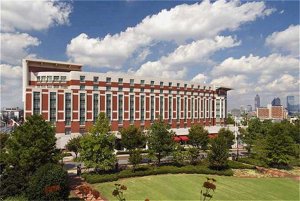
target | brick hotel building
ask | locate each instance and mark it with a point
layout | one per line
(71, 99)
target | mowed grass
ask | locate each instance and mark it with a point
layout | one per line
(187, 187)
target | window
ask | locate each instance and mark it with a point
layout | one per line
(192, 105)
(108, 80)
(131, 108)
(52, 107)
(152, 90)
(36, 102)
(68, 106)
(185, 86)
(63, 78)
(152, 83)
(161, 84)
(152, 108)
(170, 109)
(82, 108)
(82, 78)
(178, 92)
(120, 89)
(120, 109)
(38, 78)
(108, 106)
(96, 106)
(142, 90)
(185, 108)
(170, 91)
(198, 86)
(120, 81)
(56, 78)
(49, 78)
(142, 82)
(192, 86)
(161, 91)
(108, 88)
(96, 79)
(68, 131)
(161, 107)
(142, 108)
(82, 87)
(170, 84)
(178, 108)
(178, 84)
(95, 87)
(131, 82)
(131, 90)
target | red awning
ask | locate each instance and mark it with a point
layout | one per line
(212, 136)
(184, 138)
(177, 139)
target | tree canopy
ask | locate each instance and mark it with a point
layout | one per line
(198, 137)
(219, 153)
(133, 138)
(227, 135)
(74, 145)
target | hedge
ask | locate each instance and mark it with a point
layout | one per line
(98, 178)
(239, 165)
(253, 161)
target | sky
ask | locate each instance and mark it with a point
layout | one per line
(250, 46)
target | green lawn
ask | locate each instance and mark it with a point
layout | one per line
(187, 187)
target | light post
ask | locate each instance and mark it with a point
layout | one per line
(236, 139)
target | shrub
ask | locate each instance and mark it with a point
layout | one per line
(239, 165)
(253, 161)
(13, 182)
(49, 182)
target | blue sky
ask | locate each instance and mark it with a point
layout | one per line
(254, 47)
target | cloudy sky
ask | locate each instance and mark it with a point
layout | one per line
(252, 47)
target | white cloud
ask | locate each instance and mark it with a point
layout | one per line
(11, 85)
(269, 65)
(239, 83)
(200, 78)
(286, 40)
(35, 15)
(181, 23)
(285, 83)
(185, 56)
(15, 46)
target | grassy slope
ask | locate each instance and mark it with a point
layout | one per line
(187, 187)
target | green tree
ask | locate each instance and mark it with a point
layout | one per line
(133, 138)
(277, 148)
(227, 135)
(219, 153)
(198, 137)
(74, 145)
(3, 139)
(135, 158)
(30, 146)
(160, 139)
(179, 155)
(230, 120)
(97, 147)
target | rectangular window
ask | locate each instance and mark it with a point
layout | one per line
(82, 78)
(178, 84)
(161, 107)
(170, 91)
(68, 131)
(217, 108)
(120, 108)
(142, 108)
(52, 107)
(56, 78)
(82, 87)
(131, 82)
(38, 78)
(192, 105)
(108, 88)
(185, 86)
(131, 90)
(36, 102)
(108, 80)
(120, 89)
(95, 87)
(152, 90)
(49, 78)
(142, 90)
(161, 91)
(142, 82)
(131, 107)
(161, 84)
(170, 84)
(108, 106)
(96, 79)
(185, 108)
(82, 108)
(178, 108)
(152, 108)
(68, 106)
(63, 78)
(152, 83)
(96, 106)
(170, 109)
(120, 81)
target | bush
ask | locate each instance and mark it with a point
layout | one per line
(253, 161)
(239, 165)
(148, 170)
(49, 182)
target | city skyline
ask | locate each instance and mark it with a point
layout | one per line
(153, 39)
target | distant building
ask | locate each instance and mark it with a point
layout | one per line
(11, 113)
(271, 112)
(256, 102)
(249, 108)
(276, 102)
(236, 112)
(291, 106)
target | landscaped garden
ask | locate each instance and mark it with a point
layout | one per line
(187, 187)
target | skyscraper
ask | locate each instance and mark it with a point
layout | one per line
(290, 104)
(276, 102)
(256, 102)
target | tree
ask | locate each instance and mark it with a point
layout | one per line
(230, 120)
(30, 146)
(198, 137)
(227, 135)
(160, 139)
(3, 139)
(74, 145)
(219, 153)
(97, 147)
(133, 139)
(277, 148)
